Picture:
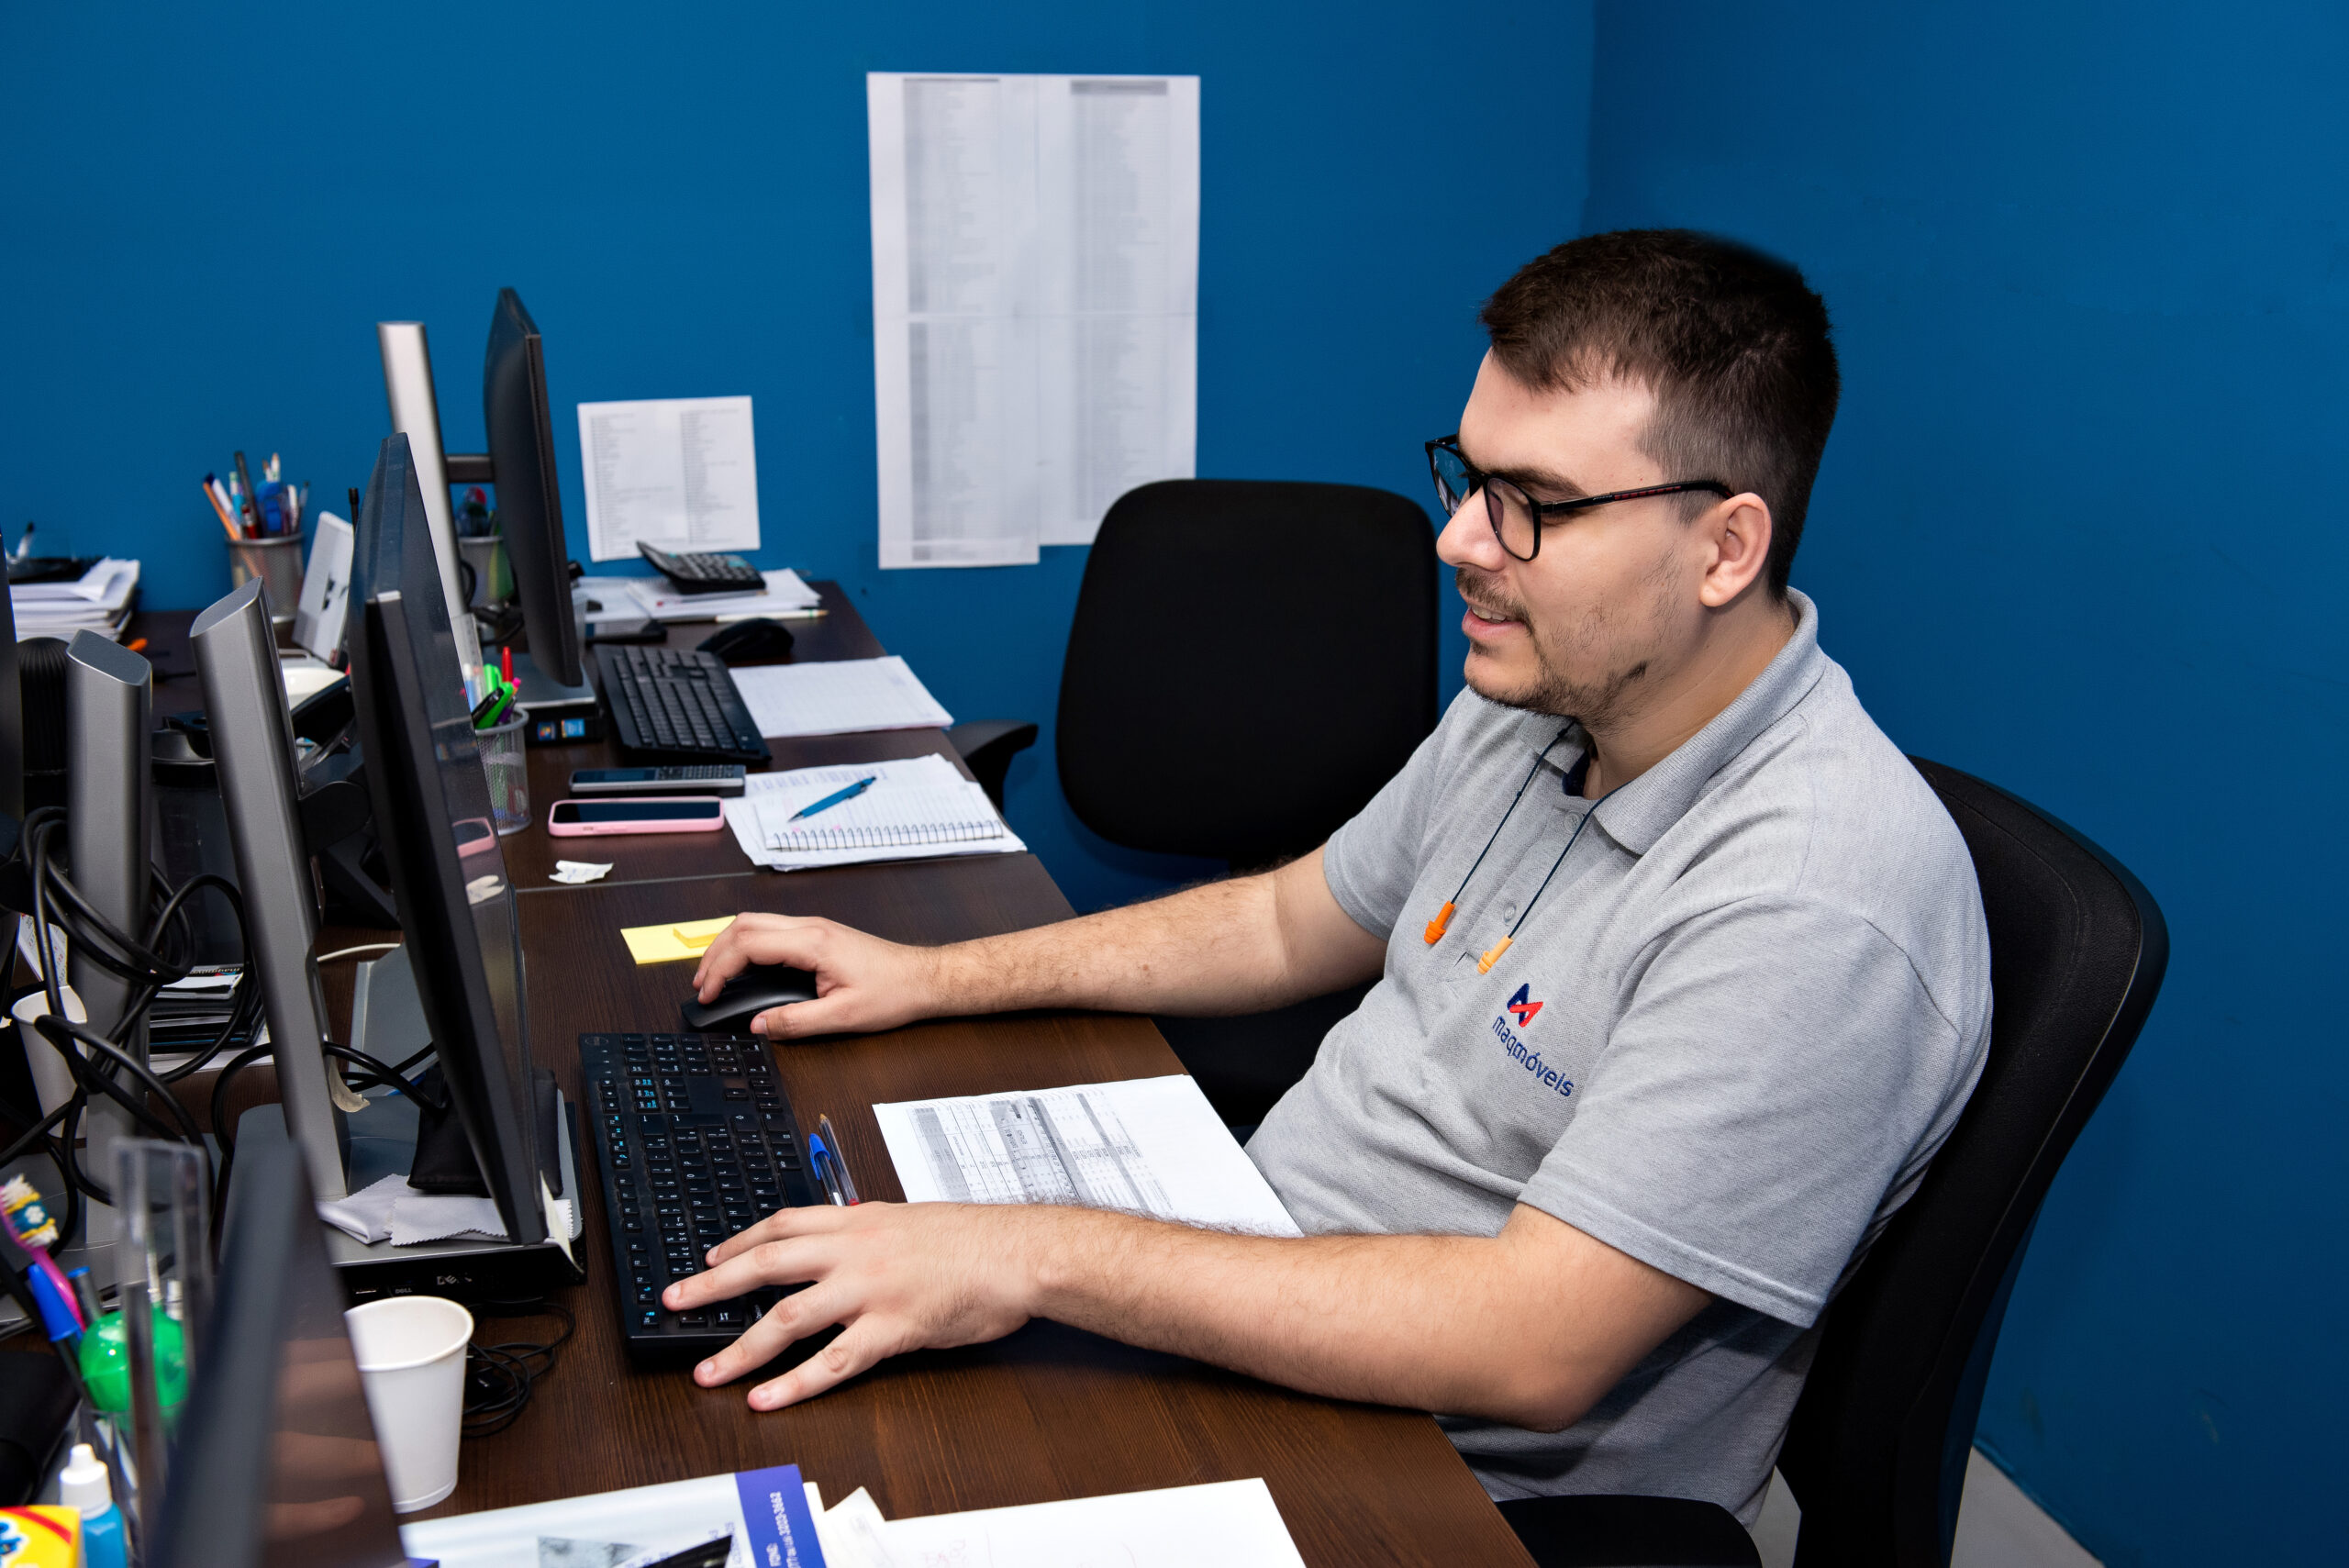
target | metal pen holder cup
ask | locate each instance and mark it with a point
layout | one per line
(492, 573)
(505, 758)
(278, 563)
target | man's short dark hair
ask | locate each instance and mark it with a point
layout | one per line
(1733, 342)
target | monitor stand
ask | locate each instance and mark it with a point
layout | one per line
(383, 1143)
(543, 697)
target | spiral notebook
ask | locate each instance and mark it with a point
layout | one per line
(916, 807)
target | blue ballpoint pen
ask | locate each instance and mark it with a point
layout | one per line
(858, 787)
(831, 1142)
(826, 1171)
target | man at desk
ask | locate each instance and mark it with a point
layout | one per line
(1684, 972)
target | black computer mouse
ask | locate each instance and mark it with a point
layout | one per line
(755, 642)
(749, 993)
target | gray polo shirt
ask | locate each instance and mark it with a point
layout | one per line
(1726, 1039)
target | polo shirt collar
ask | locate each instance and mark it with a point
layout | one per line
(1638, 814)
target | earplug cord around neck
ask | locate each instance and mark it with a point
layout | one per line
(1492, 955)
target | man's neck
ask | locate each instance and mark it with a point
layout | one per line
(1731, 658)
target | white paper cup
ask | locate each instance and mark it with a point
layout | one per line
(411, 1351)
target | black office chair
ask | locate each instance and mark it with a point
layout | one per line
(986, 747)
(1249, 660)
(1877, 1450)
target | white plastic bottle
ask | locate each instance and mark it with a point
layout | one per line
(81, 1485)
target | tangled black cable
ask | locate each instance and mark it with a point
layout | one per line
(499, 1378)
(373, 1075)
(160, 956)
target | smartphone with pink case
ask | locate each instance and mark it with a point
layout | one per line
(636, 814)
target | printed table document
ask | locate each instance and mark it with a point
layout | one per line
(764, 1511)
(1149, 1146)
(1035, 304)
(679, 473)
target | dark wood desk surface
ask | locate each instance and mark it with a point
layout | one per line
(1050, 1412)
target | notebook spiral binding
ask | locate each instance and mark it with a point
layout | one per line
(883, 837)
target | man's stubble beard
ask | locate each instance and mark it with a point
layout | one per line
(1596, 704)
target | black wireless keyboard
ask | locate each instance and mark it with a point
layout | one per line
(677, 702)
(693, 1140)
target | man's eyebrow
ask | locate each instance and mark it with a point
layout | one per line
(1530, 480)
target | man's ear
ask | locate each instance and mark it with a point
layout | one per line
(1739, 531)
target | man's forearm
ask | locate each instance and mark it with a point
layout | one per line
(1225, 948)
(1509, 1328)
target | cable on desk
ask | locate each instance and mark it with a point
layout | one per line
(160, 954)
(499, 1379)
(355, 952)
(374, 1075)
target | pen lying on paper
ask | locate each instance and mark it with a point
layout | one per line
(858, 787)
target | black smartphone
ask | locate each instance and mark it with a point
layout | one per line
(692, 778)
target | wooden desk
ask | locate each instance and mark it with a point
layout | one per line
(1047, 1413)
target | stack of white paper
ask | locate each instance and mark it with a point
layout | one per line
(1234, 1523)
(917, 809)
(837, 696)
(784, 593)
(99, 600)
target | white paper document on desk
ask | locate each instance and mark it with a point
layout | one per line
(1149, 1146)
(917, 808)
(678, 473)
(785, 594)
(1233, 1524)
(837, 696)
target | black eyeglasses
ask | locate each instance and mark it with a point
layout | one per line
(1517, 516)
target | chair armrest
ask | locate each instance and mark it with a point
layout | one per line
(1630, 1532)
(986, 747)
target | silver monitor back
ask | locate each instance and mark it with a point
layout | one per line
(109, 698)
(416, 414)
(253, 751)
(12, 723)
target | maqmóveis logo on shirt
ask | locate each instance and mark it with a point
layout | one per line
(1523, 1006)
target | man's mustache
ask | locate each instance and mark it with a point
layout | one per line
(1471, 589)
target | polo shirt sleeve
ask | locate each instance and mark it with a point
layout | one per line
(1775, 1071)
(1371, 863)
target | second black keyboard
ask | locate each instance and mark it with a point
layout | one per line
(677, 702)
(694, 1142)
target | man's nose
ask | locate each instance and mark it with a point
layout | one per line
(1468, 540)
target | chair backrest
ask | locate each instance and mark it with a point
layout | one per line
(1249, 662)
(1877, 1452)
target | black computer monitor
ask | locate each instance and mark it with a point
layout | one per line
(276, 1460)
(432, 817)
(530, 507)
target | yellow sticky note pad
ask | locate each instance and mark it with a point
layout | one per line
(673, 940)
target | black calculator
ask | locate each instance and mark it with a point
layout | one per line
(705, 574)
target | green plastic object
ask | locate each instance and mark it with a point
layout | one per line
(105, 1361)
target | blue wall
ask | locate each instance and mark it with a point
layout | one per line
(2089, 268)
(207, 210)
(2090, 275)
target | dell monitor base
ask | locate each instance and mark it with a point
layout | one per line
(542, 695)
(383, 1143)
